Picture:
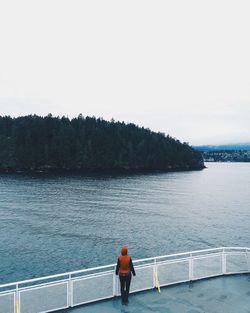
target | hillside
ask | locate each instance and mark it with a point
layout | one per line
(33, 143)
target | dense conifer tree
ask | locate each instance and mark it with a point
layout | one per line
(50, 143)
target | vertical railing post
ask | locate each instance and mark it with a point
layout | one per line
(17, 304)
(224, 262)
(114, 284)
(191, 267)
(154, 273)
(70, 291)
(248, 260)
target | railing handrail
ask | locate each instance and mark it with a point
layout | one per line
(113, 265)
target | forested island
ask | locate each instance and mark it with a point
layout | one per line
(34, 143)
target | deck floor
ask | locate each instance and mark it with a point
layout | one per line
(229, 294)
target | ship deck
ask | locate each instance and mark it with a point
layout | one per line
(230, 294)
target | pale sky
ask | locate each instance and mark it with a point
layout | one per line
(179, 67)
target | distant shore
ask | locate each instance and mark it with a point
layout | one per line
(227, 156)
(129, 171)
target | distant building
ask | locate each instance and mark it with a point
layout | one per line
(227, 156)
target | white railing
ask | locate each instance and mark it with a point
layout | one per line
(55, 292)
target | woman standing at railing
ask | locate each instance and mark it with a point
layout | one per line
(124, 268)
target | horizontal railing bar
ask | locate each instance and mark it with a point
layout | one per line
(190, 252)
(197, 257)
(204, 256)
(54, 283)
(184, 253)
(174, 261)
(234, 252)
(7, 292)
(95, 275)
(113, 265)
(56, 276)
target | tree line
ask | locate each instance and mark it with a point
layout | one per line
(34, 143)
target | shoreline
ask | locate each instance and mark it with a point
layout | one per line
(61, 171)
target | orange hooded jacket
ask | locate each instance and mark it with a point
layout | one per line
(124, 263)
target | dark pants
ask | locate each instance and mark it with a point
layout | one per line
(125, 284)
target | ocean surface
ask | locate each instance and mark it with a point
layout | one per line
(54, 224)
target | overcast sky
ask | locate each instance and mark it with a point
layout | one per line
(179, 67)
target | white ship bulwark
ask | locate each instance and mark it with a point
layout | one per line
(55, 292)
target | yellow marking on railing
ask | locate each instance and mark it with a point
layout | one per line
(17, 306)
(157, 284)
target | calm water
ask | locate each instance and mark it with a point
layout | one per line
(52, 224)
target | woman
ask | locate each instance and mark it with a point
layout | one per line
(124, 268)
